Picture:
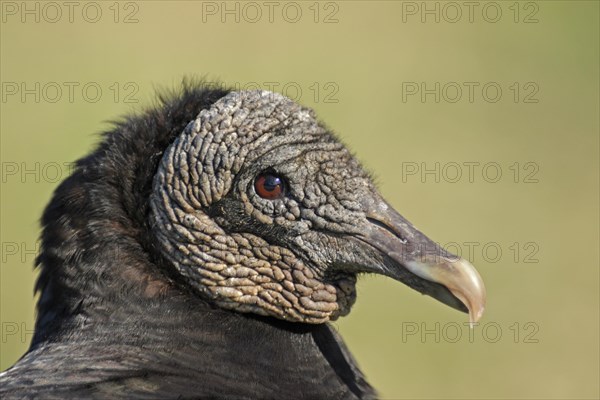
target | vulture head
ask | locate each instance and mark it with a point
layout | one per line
(261, 209)
(201, 249)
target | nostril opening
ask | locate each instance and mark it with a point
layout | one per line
(388, 228)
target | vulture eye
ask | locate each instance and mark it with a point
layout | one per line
(269, 185)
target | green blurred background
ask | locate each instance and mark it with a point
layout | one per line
(356, 63)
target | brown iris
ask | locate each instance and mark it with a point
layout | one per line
(269, 186)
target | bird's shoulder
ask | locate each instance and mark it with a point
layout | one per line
(219, 355)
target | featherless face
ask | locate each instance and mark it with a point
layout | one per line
(262, 210)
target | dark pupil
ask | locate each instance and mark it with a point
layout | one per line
(271, 182)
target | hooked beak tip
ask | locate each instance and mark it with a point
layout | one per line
(458, 276)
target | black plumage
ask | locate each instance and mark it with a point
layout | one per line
(116, 319)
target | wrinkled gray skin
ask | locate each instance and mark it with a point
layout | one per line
(294, 258)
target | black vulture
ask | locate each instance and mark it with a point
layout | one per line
(201, 250)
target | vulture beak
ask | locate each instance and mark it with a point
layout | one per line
(414, 259)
